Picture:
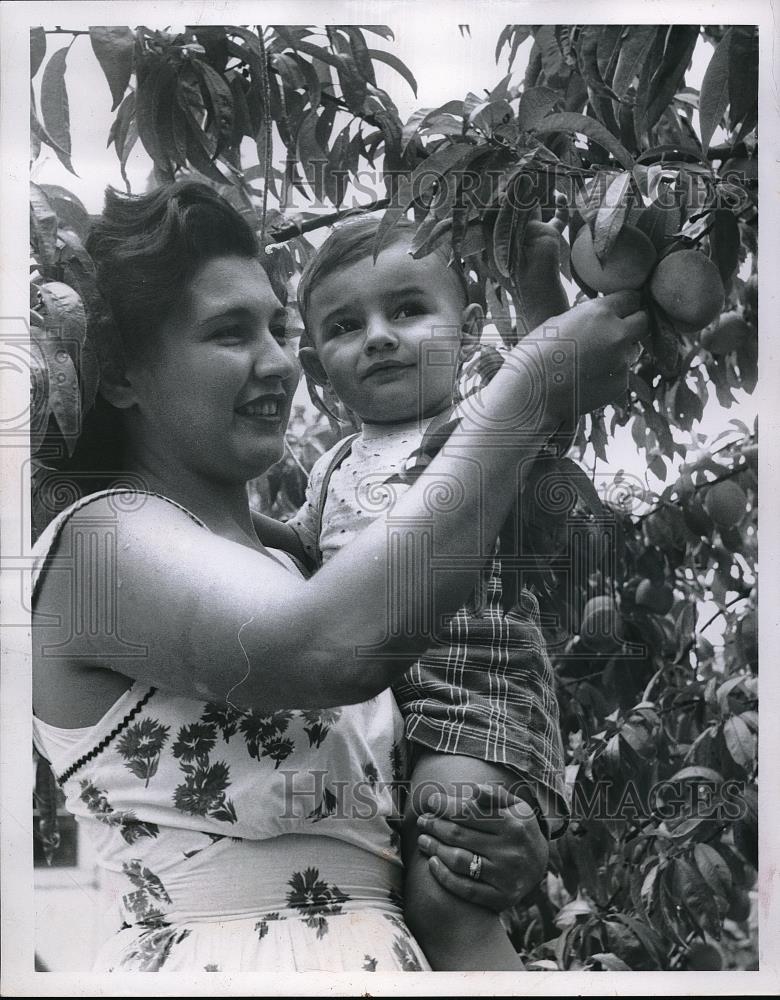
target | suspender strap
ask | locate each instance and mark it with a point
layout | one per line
(343, 449)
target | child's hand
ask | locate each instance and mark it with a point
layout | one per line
(541, 240)
(585, 362)
(538, 273)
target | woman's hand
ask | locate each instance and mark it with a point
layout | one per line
(498, 827)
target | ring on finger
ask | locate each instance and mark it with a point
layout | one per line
(475, 867)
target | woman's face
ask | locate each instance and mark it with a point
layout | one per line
(213, 393)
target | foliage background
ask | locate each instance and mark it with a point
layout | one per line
(635, 890)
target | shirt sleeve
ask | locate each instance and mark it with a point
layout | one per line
(306, 523)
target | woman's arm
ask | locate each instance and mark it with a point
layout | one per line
(214, 620)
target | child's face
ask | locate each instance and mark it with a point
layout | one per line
(388, 334)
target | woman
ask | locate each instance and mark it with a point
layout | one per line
(221, 724)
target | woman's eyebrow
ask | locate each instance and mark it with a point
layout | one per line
(406, 290)
(242, 312)
(231, 313)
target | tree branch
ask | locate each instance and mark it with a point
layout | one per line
(310, 225)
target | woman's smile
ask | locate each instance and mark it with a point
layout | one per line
(268, 408)
(223, 383)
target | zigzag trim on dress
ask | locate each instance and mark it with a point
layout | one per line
(101, 746)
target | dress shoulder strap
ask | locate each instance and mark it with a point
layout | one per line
(47, 541)
(343, 448)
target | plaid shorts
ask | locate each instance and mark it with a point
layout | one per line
(486, 690)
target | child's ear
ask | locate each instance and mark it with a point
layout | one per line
(472, 321)
(312, 365)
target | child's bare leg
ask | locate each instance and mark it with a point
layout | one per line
(453, 933)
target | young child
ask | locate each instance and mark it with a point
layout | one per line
(389, 339)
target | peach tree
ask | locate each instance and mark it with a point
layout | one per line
(660, 176)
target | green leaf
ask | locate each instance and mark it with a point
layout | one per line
(430, 233)
(740, 741)
(395, 63)
(46, 795)
(599, 94)
(665, 343)
(64, 395)
(714, 97)
(725, 243)
(660, 223)
(610, 962)
(743, 73)
(424, 116)
(200, 149)
(535, 104)
(242, 119)
(554, 69)
(220, 98)
(686, 405)
(114, 50)
(648, 884)
(121, 124)
(511, 221)
(289, 70)
(54, 105)
(43, 227)
(685, 625)
(74, 249)
(503, 39)
(715, 871)
(156, 81)
(577, 478)
(642, 390)
(71, 213)
(64, 315)
(515, 34)
(633, 53)
(379, 29)
(357, 44)
(598, 436)
(611, 215)
(354, 85)
(647, 937)
(312, 157)
(649, 69)
(499, 314)
(424, 177)
(570, 121)
(667, 908)
(608, 50)
(39, 388)
(690, 889)
(37, 49)
(669, 71)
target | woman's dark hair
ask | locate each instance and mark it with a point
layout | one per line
(146, 249)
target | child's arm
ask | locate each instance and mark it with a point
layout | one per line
(538, 280)
(278, 535)
(300, 534)
(455, 935)
(538, 277)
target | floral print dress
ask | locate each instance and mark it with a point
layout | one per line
(240, 841)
